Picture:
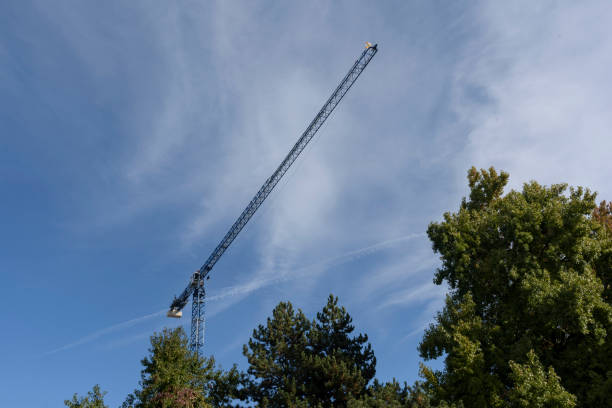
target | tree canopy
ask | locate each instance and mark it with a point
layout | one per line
(93, 399)
(175, 376)
(293, 360)
(526, 322)
(529, 310)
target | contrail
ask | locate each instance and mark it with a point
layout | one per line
(336, 260)
(110, 329)
(246, 288)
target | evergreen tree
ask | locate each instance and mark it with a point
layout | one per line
(295, 362)
(340, 365)
(174, 376)
(276, 354)
(94, 399)
(529, 276)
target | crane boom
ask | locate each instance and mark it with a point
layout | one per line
(196, 286)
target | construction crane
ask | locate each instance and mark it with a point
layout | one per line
(195, 288)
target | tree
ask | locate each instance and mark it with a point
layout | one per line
(394, 395)
(296, 362)
(536, 388)
(175, 376)
(387, 395)
(603, 214)
(276, 354)
(529, 276)
(340, 364)
(94, 399)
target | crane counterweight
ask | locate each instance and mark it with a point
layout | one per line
(177, 314)
(195, 289)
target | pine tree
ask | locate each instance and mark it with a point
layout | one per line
(341, 366)
(276, 354)
(295, 362)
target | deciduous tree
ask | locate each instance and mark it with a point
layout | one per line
(93, 399)
(175, 376)
(529, 276)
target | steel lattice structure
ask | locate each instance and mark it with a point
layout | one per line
(195, 288)
(197, 315)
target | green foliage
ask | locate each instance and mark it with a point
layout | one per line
(94, 399)
(391, 395)
(526, 322)
(174, 376)
(297, 362)
(527, 271)
(536, 388)
(394, 395)
(603, 215)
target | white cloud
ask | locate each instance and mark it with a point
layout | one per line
(233, 294)
(535, 88)
(204, 100)
(229, 295)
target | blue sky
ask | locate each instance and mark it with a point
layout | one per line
(134, 133)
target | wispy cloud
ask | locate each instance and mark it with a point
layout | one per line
(534, 88)
(125, 340)
(285, 275)
(235, 291)
(421, 293)
(418, 330)
(426, 316)
(106, 331)
(166, 118)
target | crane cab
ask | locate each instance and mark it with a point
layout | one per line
(177, 314)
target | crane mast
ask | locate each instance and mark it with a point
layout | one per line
(195, 288)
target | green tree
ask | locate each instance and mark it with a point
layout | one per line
(527, 271)
(387, 395)
(394, 395)
(174, 376)
(94, 399)
(297, 362)
(536, 388)
(603, 215)
(276, 354)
